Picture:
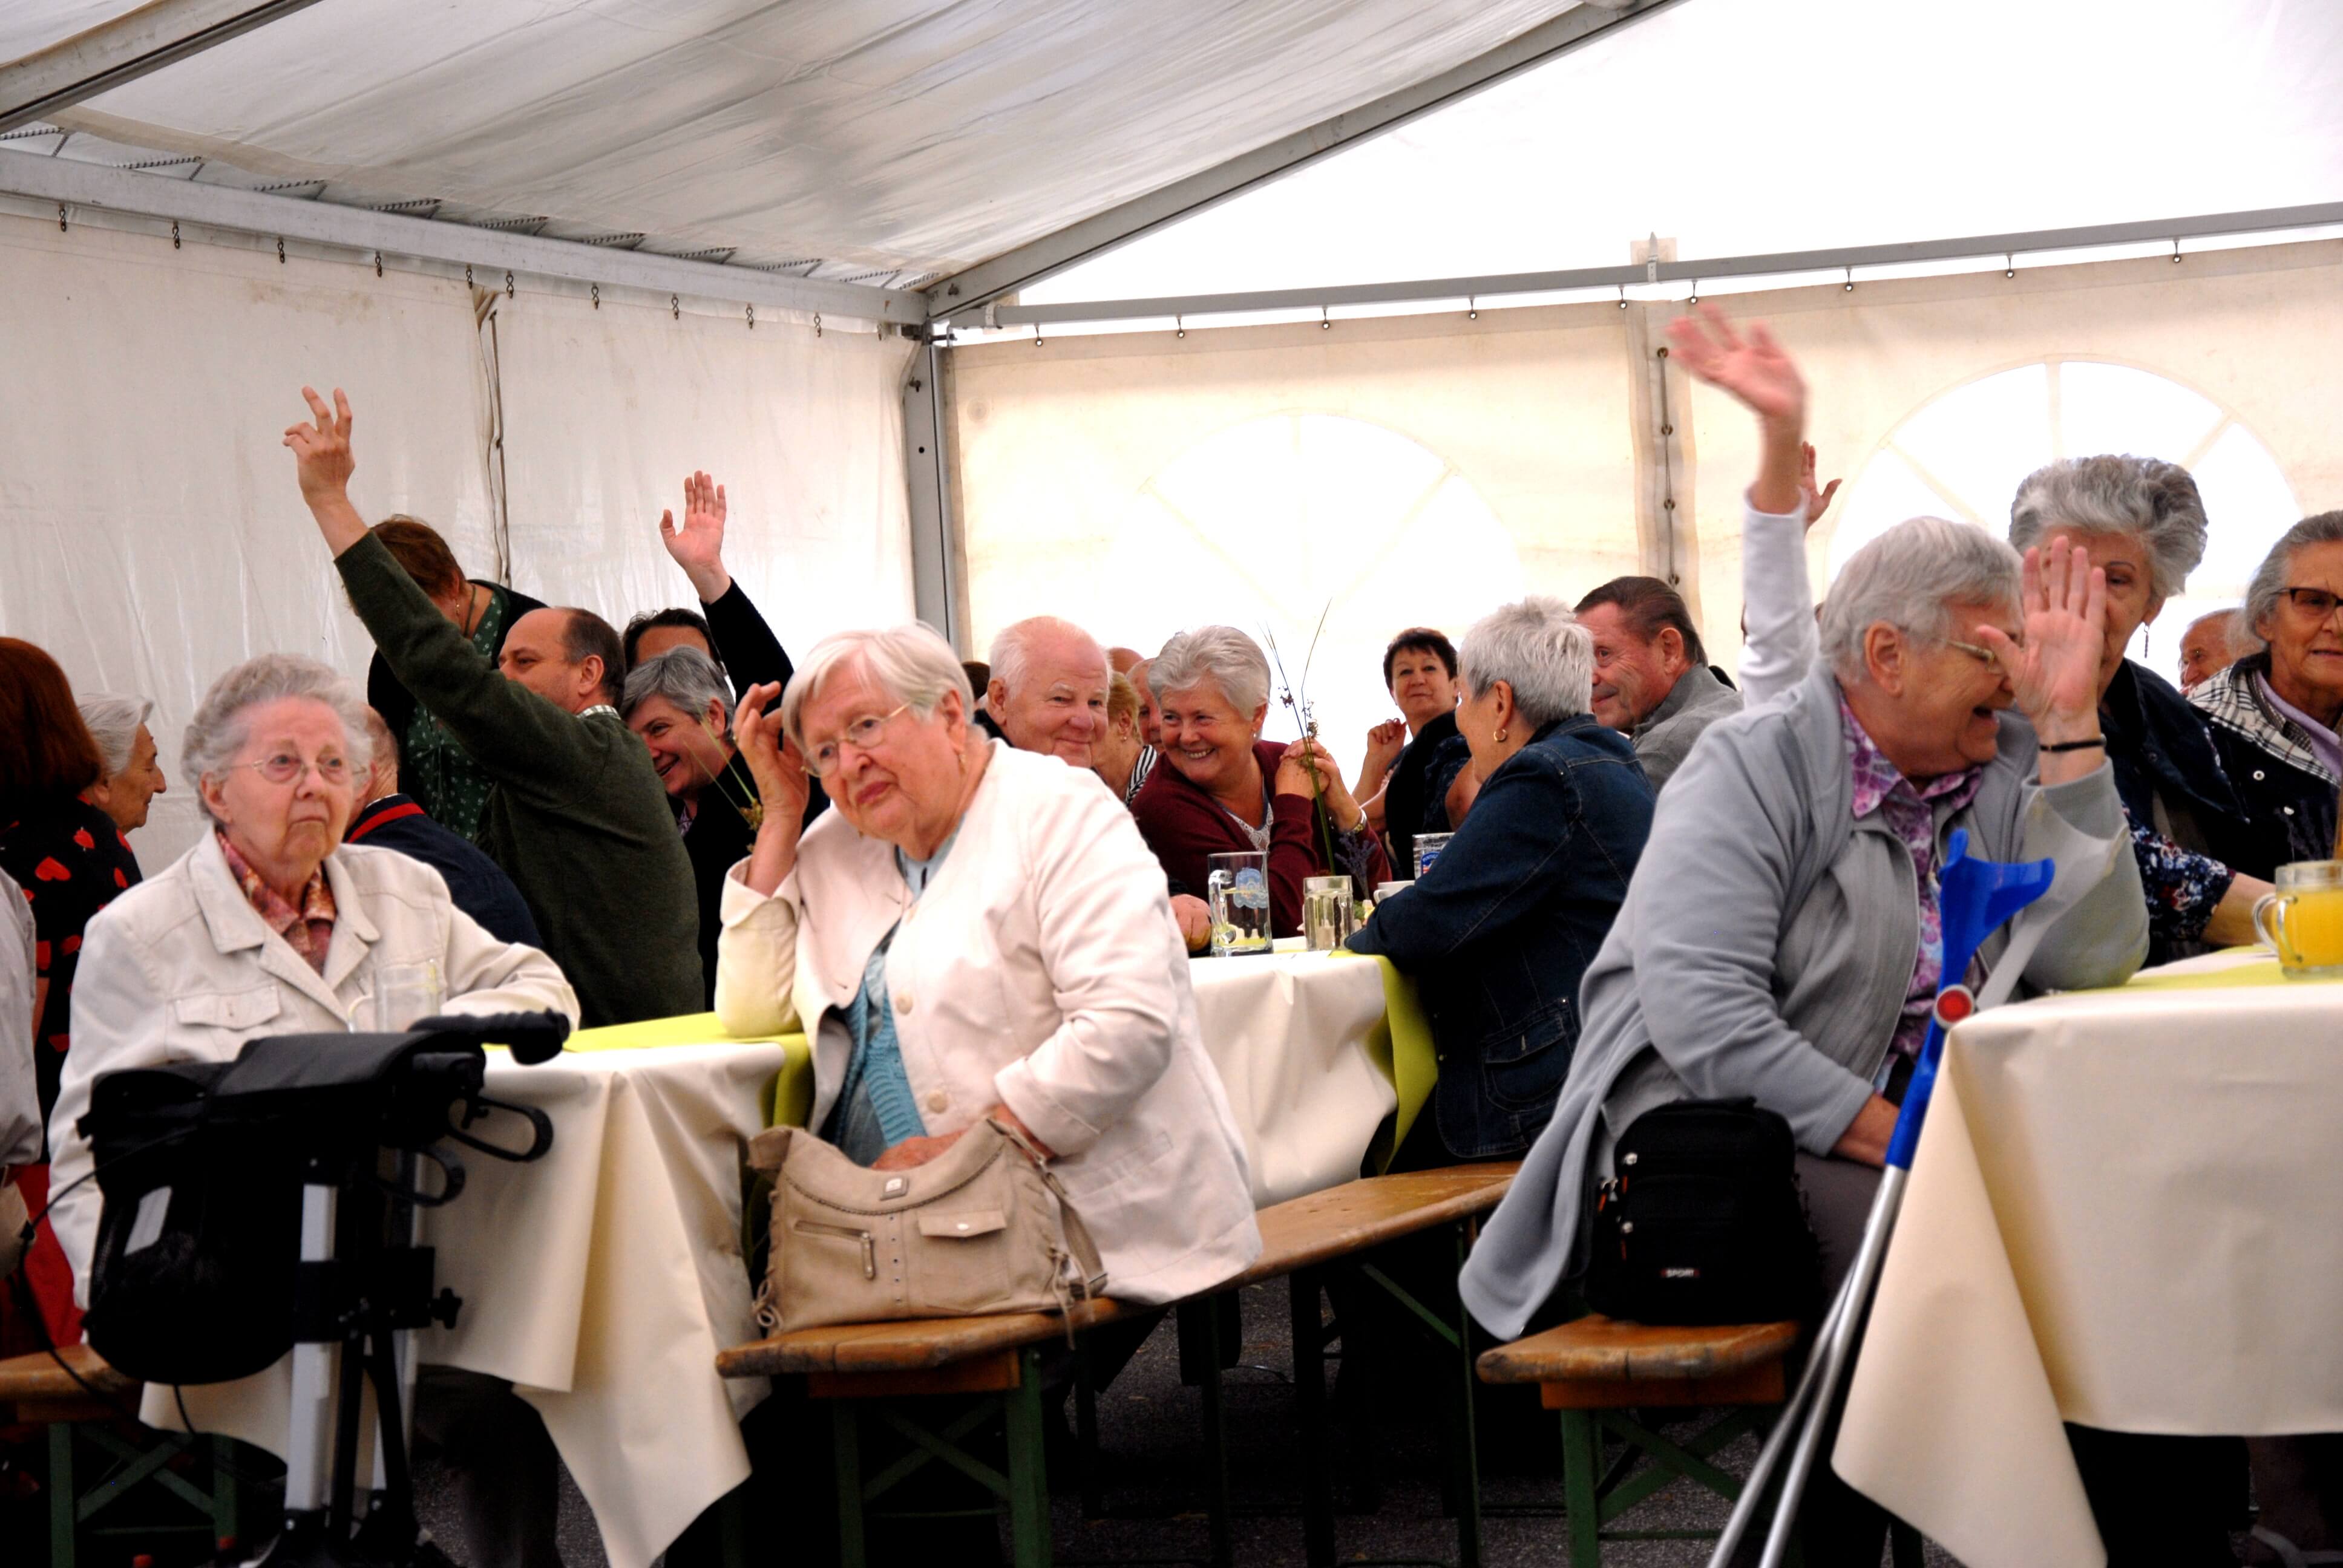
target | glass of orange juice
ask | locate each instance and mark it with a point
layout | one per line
(2304, 919)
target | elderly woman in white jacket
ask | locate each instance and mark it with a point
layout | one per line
(979, 932)
(271, 925)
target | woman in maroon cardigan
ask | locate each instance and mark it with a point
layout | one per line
(1222, 788)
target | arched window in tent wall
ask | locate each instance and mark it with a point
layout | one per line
(1269, 523)
(1963, 453)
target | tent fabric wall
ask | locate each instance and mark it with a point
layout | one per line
(1549, 413)
(152, 535)
(607, 410)
(1139, 483)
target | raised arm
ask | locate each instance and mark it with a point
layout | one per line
(524, 740)
(752, 655)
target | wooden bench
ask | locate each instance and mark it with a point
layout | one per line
(998, 1357)
(1597, 1369)
(83, 1402)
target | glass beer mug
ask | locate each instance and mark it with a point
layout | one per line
(1237, 887)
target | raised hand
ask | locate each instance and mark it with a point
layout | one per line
(1752, 367)
(2055, 675)
(1818, 496)
(784, 787)
(1385, 741)
(324, 464)
(698, 546)
(1293, 778)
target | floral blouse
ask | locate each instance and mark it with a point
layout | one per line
(72, 861)
(309, 930)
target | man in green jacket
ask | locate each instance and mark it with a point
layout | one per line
(577, 817)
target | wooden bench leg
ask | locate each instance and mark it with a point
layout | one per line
(845, 1458)
(1200, 1327)
(227, 1523)
(1580, 1459)
(1304, 1287)
(1465, 1462)
(63, 1518)
(1086, 1432)
(1028, 1483)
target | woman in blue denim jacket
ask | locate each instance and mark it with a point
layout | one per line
(1498, 929)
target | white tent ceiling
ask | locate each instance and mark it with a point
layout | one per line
(887, 141)
(1754, 128)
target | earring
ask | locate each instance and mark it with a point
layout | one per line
(1501, 736)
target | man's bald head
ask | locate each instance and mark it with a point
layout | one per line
(1049, 688)
(569, 656)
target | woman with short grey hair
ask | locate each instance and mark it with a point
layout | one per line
(679, 702)
(1781, 940)
(1226, 790)
(1498, 929)
(2276, 713)
(133, 776)
(977, 933)
(2199, 845)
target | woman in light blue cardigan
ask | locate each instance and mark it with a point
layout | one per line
(1775, 940)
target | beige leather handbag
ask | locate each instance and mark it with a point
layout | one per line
(983, 1228)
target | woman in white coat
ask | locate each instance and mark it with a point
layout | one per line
(269, 926)
(978, 931)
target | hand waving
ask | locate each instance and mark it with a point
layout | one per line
(322, 451)
(2055, 674)
(698, 546)
(1754, 370)
(1818, 496)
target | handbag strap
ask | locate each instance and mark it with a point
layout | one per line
(1078, 1235)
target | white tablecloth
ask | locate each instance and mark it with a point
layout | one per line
(601, 1279)
(2126, 1211)
(1288, 1031)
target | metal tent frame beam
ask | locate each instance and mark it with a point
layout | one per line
(49, 81)
(362, 229)
(967, 292)
(1498, 286)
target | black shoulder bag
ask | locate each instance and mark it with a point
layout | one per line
(1703, 1223)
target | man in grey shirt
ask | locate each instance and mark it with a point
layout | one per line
(1652, 679)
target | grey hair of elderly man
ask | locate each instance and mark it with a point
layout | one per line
(2143, 497)
(1048, 689)
(687, 678)
(114, 720)
(1221, 654)
(1910, 577)
(1536, 647)
(217, 731)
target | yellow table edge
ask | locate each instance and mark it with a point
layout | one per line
(787, 1102)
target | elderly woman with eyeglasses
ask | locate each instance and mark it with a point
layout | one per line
(1781, 938)
(976, 931)
(2276, 713)
(271, 925)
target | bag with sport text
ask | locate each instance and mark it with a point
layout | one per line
(1702, 1221)
(985, 1227)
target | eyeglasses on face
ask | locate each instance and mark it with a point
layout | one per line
(863, 734)
(1983, 656)
(286, 767)
(2316, 603)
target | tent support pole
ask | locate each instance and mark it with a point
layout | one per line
(97, 59)
(935, 589)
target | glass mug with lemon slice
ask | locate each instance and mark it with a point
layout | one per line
(2304, 919)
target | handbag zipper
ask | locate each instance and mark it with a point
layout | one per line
(869, 1242)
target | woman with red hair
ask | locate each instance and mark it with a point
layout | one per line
(71, 862)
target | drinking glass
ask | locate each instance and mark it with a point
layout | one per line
(1428, 847)
(1329, 912)
(404, 993)
(1237, 886)
(2304, 918)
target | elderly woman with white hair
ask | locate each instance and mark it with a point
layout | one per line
(1781, 939)
(133, 775)
(2277, 713)
(977, 932)
(271, 925)
(1225, 789)
(1499, 930)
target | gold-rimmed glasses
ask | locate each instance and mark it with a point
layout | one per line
(863, 734)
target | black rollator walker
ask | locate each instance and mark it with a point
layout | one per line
(270, 1204)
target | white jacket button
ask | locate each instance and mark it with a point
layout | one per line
(938, 1101)
(902, 1001)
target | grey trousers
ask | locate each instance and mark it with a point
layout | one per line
(506, 1474)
